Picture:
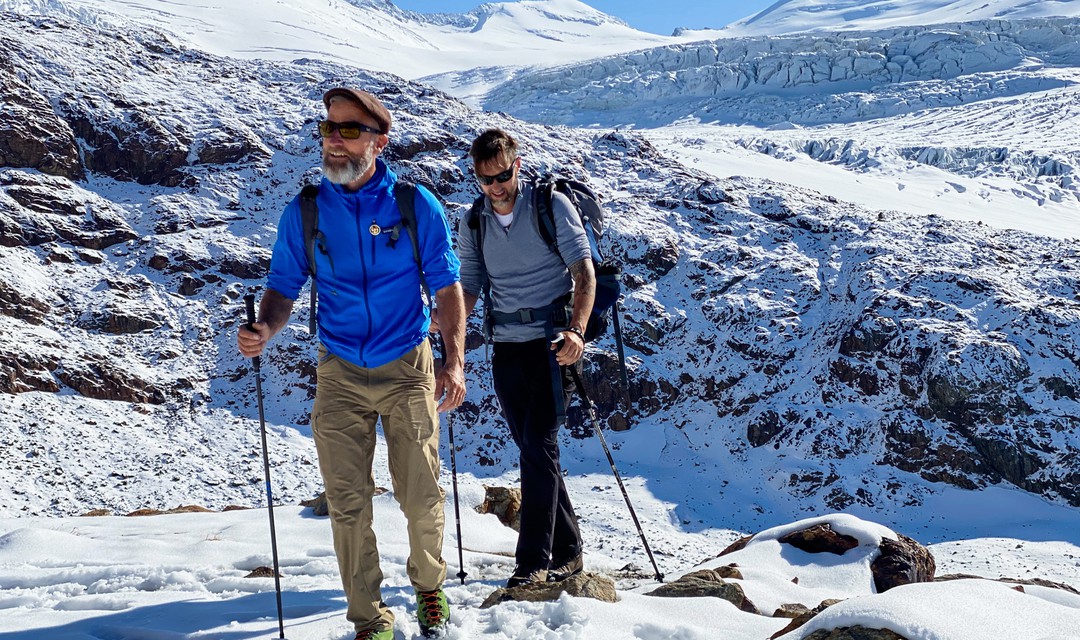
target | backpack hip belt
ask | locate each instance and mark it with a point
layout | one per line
(555, 313)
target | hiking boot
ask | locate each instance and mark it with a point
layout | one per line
(564, 571)
(522, 577)
(432, 612)
(375, 634)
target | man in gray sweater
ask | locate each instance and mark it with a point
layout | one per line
(539, 303)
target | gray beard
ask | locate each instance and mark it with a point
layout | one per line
(342, 174)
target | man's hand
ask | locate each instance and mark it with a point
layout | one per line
(274, 312)
(568, 347)
(252, 343)
(450, 380)
(450, 386)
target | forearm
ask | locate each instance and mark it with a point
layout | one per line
(470, 302)
(452, 322)
(584, 292)
(274, 311)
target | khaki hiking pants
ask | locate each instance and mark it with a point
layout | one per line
(348, 402)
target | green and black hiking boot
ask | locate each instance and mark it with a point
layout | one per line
(432, 612)
(375, 634)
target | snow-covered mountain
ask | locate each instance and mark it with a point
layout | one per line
(371, 34)
(793, 16)
(987, 110)
(792, 352)
(759, 314)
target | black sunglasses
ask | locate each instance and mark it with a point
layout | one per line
(348, 130)
(500, 178)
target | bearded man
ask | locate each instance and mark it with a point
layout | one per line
(375, 361)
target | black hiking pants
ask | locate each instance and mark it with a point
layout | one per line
(549, 535)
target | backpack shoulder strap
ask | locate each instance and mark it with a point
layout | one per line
(309, 216)
(474, 220)
(405, 195)
(545, 216)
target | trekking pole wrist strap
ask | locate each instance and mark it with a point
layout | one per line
(579, 332)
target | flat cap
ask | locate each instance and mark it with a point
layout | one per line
(366, 101)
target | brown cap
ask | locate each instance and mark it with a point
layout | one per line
(366, 101)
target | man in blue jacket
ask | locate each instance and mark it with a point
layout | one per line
(375, 361)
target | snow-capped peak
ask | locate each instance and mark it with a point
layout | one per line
(793, 16)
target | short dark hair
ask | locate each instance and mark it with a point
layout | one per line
(493, 144)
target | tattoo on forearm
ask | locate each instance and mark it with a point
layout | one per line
(582, 285)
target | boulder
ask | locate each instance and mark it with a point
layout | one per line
(582, 585)
(799, 615)
(820, 538)
(707, 583)
(901, 562)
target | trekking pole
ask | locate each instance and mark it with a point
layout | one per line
(457, 509)
(453, 476)
(603, 441)
(249, 301)
(615, 312)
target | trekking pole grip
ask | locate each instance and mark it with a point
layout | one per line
(249, 303)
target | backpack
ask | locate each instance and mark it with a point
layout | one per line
(587, 205)
(404, 194)
(608, 273)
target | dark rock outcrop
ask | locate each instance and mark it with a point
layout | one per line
(31, 134)
(854, 633)
(820, 538)
(902, 561)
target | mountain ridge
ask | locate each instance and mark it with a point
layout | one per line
(795, 16)
(838, 325)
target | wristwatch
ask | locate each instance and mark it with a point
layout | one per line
(579, 332)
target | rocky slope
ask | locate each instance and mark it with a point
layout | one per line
(842, 354)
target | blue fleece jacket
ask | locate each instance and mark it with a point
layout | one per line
(371, 311)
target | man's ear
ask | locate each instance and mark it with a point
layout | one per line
(381, 143)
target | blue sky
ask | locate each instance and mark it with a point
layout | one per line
(655, 16)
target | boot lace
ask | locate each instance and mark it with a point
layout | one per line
(432, 610)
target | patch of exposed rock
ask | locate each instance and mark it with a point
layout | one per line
(708, 583)
(582, 585)
(854, 633)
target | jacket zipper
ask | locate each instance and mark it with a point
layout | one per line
(363, 269)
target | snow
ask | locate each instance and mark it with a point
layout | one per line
(792, 16)
(183, 576)
(370, 34)
(925, 136)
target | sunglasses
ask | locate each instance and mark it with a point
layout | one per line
(348, 130)
(500, 178)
